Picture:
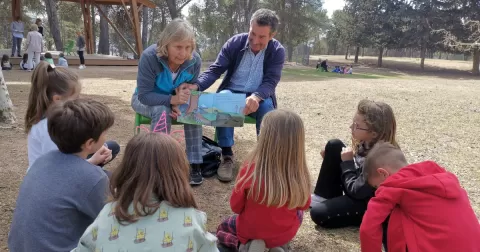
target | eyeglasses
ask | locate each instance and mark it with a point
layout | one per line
(355, 127)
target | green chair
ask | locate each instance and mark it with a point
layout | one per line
(69, 48)
(140, 119)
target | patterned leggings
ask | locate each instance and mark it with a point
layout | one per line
(227, 232)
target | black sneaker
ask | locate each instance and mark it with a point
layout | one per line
(196, 174)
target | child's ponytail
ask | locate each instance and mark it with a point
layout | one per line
(46, 82)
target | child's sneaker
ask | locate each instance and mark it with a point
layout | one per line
(253, 246)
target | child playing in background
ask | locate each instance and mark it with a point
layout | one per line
(23, 63)
(348, 69)
(5, 63)
(272, 189)
(152, 206)
(62, 62)
(50, 85)
(62, 193)
(49, 58)
(428, 209)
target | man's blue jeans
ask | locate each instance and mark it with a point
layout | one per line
(225, 135)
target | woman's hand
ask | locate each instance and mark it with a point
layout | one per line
(175, 112)
(322, 152)
(182, 95)
(347, 154)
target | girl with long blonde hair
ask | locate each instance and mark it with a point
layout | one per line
(272, 189)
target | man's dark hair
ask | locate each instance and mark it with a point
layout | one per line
(266, 17)
(72, 123)
(48, 55)
(383, 154)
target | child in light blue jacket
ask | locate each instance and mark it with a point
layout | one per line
(62, 62)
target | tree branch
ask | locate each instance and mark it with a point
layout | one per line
(183, 5)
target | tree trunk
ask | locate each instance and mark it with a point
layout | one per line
(440, 55)
(386, 53)
(145, 26)
(6, 106)
(476, 61)
(104, 42)
(335, 50)
(172, 8)
(356, 54)
(290, 52)
(346, 53)
(51, 7)
(92, 10)
(380, 57)
(363, 52)
(423, 51)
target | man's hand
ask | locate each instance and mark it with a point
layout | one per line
(347, 154)
(102, 156)
(251, 104)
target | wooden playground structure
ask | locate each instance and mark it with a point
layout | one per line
(96, 59)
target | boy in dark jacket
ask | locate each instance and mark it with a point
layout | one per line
(428, 209)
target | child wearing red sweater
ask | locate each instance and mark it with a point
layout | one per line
(272, 189)
(428, 209)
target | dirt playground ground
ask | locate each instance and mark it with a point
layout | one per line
(438, 118)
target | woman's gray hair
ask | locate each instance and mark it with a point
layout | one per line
(33, 27)
(177, 30)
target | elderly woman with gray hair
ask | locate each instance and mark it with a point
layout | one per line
(166, 72)
(34, 46)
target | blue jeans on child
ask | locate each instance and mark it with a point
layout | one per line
(225, 134)
(193, 133)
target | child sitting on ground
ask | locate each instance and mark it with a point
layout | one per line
(272, 189)
(62, 194)
(152, 207)
(348, 69)
(23, 63)
(49, 58)
(429, 210)
(62, 62)
(51, 85)
(5, 63)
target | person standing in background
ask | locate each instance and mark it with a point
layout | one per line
(34, 47)
(17, 28)
(38, 22)
(81, 49)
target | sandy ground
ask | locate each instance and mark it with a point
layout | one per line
(438, 118)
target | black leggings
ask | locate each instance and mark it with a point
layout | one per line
(82, 59)
(338, 210)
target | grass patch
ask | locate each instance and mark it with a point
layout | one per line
(313, 74)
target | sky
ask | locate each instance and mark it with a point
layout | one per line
(329, 5)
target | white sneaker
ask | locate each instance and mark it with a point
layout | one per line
(316, 199)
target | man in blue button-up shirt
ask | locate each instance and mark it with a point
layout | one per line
(254, 63)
